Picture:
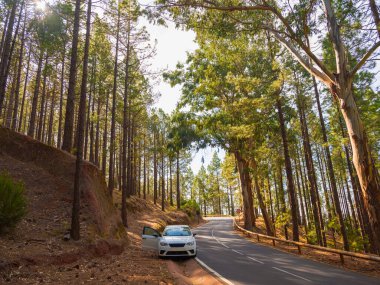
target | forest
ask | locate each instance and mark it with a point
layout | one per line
(287, 89)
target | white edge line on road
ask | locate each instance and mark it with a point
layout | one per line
(254, 259)
(291, 274)
(238, 252)
(214, 272)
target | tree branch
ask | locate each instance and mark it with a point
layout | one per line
(364, 59)
(304, 62)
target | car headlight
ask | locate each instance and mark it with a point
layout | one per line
(162, 243)
(190, 243)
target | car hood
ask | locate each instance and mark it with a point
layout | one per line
(179, 239)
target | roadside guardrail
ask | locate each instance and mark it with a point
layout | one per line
(299, 245)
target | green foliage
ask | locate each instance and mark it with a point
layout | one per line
(334, 224)
(12, 202)
(357, 242)
(282, 219)
(190, 207)
(312, 236)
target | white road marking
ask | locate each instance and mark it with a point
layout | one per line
(254, 259)
(214, 272)
(291, 274)
(212, 233)
(238, 252)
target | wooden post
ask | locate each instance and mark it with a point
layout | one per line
(258, 238)
(299, 249)
(341, 258)
(274, 242)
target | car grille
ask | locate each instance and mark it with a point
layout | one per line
(176, 244)
(177, 253)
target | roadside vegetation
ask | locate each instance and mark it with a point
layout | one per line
(12, 202)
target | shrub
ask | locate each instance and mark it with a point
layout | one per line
(12, 202)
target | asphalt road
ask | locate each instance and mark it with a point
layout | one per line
(240, 261)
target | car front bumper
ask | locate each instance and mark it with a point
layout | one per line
(177, 251)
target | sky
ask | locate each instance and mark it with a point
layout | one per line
(172, 47)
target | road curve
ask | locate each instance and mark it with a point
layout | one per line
(239, 261)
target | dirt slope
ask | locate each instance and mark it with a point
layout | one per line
(48, 174)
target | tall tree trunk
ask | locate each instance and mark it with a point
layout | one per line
(24, 93)
(171, 181)
(4, 31)
(59, 139)
(42, 106)
(232, 201)
(289, 171)
(70, 103)
(246, 187)
(97, 129)
(163, 176)
(32, 121)
(19, 71)
(267, 221)
(178, 196)
(9, 110)
(92, 91)
(111, 166)
(6, 53)
(144, 166)
(75, 226)
(358, 197)
(105, 136)
(51, 116)
(125, 129)
(154, 167)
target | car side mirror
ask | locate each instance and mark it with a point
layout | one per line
(155, 235)
(194, 235)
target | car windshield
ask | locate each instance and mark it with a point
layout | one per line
(177, 232)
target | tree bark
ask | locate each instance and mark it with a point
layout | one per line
(6, 54)
(32, 121)
(70, 103)
(59, 140)
(111, 166)
(51, 116)
(75, 226)
(24, 93)
(19, 71)
(105, 136)
(289, 171)
(246, 187)
(177, 186)
(42, 105)
(125, 130)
